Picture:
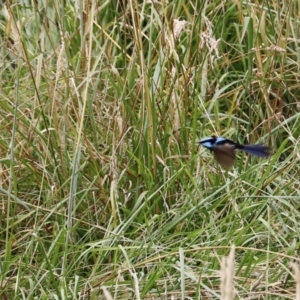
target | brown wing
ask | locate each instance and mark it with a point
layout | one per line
(225, 155)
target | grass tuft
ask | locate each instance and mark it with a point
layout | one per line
(105, 192)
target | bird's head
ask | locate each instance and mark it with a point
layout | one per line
(211, 142)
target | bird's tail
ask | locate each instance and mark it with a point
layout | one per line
(257, 149)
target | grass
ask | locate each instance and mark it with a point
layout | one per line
(105, 193)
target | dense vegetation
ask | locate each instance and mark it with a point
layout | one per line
(105, 193)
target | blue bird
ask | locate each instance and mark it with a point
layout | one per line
(224, 149)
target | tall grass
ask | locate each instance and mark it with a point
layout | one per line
(105, 192)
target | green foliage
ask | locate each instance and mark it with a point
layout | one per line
(104, 189)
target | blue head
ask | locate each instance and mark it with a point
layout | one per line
(211, 142)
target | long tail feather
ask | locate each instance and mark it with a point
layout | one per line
(258, 150)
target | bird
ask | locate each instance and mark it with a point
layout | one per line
(224, 150)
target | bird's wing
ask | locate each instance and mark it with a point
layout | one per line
(224, 154)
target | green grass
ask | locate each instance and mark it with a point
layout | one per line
(105, 193)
